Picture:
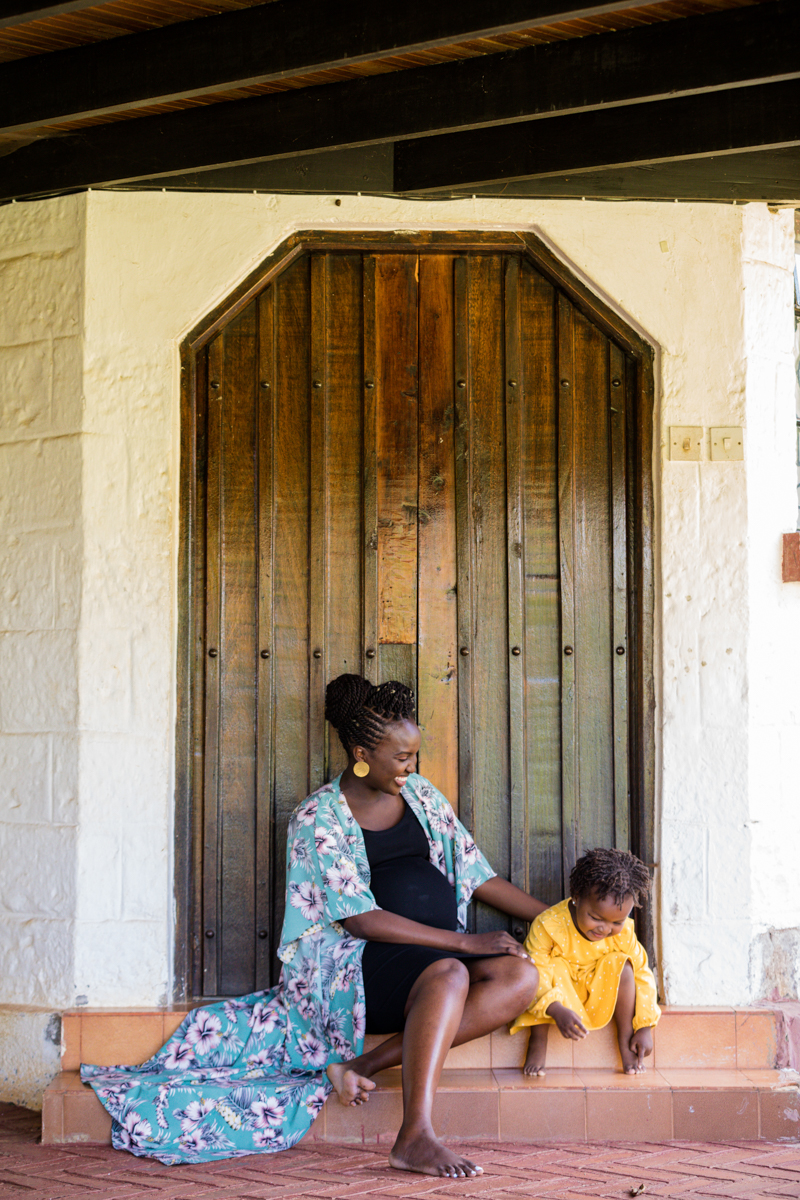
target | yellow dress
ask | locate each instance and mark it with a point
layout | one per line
(584, 975)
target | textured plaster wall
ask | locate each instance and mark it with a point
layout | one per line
(774, 645)
(41, 284)
(708, 284)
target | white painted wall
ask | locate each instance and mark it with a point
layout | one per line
(41, 285)
(91, 646)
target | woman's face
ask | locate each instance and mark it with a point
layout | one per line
(393, 759)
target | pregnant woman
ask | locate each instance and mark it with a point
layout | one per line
(379, 876)
(422, 973)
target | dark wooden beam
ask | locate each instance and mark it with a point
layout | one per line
(20, 12)
(476, 93)
(587, 73)
(742, 119)
(273, 41)
(771, 176)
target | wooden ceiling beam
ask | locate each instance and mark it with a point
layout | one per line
(649, 63)
(742, 119)
(255, 46)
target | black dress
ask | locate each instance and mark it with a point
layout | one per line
(404, 881)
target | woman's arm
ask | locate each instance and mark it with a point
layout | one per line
(499, 893)
(382, 926)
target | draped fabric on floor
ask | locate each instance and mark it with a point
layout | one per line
(247, 1076)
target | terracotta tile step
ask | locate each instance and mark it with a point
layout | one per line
(709, 1038)
(576, 1105)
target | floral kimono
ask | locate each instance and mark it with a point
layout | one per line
(248, 1075)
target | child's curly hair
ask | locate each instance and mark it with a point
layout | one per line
(613, 873)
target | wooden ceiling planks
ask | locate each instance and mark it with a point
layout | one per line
(101, 22)
(120, 17)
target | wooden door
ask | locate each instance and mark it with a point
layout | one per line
(415, 466)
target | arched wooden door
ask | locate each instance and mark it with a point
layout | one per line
(416, 463)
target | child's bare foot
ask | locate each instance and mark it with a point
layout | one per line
(423, 1152)
(537, 1051)
(351, 1088)
(639, 1046)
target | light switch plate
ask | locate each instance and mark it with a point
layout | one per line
(685, 443)
(727, 443)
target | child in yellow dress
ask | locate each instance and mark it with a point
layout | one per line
(591, 964)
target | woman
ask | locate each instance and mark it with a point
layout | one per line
(379, 877)
(421, 971)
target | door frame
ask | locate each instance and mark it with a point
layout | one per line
(190, 712)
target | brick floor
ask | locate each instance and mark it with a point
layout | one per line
(555, 1171)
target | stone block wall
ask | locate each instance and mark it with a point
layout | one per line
(41, 548)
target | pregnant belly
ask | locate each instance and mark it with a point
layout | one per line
(413, 888)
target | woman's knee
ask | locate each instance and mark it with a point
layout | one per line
(519, 976)
(448, 972)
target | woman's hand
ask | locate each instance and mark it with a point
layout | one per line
(492, 943)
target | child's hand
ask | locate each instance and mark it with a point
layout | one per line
(641, 1045)
(569, 1023)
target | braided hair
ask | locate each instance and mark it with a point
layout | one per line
(360, 712)
(614, 873)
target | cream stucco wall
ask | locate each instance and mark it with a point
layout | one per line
(88, 648)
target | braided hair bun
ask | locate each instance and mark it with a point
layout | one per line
(360, 712)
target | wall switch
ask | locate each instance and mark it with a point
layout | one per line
(727, 443)
(685, 442)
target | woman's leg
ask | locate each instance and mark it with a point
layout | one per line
(433, 1014)
(500, 989)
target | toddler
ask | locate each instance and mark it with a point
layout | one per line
(591, 965)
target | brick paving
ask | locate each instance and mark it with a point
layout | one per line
(551, 1171)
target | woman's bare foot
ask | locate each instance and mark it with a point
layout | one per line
(351, 1088)
(423, 1153)
(537, 1051)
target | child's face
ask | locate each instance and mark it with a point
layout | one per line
(599, 917)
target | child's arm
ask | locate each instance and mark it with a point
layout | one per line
(550, 997)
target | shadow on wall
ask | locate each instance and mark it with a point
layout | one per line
(776, 971)
(30, 1055)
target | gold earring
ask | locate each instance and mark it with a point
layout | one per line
(361, 769)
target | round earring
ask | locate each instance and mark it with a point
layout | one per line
(361, 769)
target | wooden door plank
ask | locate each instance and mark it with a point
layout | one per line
(464, 538)
(190, 956)
(319, 520)
(543, 651)
(343, 440)
(487, 500)
(215, 379)
(515, 400)
(398, 390)
(237, 657)
(265, 932)
(570, 781)
(593, 585)
(290, 577)
(617, 404)
(369, 520)
(437, 668)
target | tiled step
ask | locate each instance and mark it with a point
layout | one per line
(711, 1076)
(501, 1104)
(692, 1038)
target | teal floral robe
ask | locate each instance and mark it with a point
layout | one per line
(247, 1076)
